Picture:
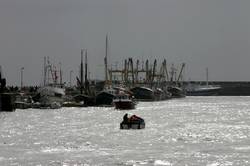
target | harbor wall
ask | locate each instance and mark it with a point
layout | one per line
(7, 102)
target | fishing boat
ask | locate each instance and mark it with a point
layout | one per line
(161, 94)
(81, 100)
(202, 90)
(143, 93)
(176, 92)
(52, 93)
(124, 101)
(50, 96)
(23, 101)
(86, 96)
(106, 95)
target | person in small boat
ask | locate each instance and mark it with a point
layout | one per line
(125, 118)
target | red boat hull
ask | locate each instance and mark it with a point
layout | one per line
(124, 105)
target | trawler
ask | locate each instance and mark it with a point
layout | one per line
(50, 95)
(202, 90)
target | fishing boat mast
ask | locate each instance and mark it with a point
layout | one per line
(60, 72)
(180, 74)
(207, 77)
(106, 60)
(81, 73)
(2, 81)
(45, 71)
(87, 91)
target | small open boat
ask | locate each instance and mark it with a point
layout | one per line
(133, 122)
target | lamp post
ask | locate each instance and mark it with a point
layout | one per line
(70, 76)
(22, 77)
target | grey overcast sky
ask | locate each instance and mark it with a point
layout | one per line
(201, 33)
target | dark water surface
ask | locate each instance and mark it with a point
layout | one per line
(193, 131)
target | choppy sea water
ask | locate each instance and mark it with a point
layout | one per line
(193, 131)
